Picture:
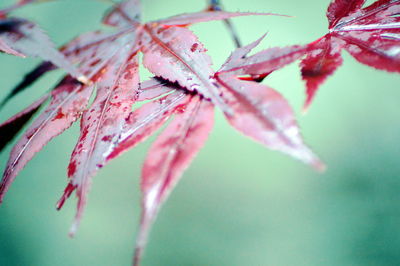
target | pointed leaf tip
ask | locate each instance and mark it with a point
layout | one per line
(73, 229)
(168, 157)
(321, 61)
(80, 209)
(317, 163)
(305, 108)
(67, 193)
(147, 219)
(264, 115)
(239, 54)
(204, 16)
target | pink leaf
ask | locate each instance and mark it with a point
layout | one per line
(320, 63)
(102, 123)
(144, 121)
(263, 62)
(264, 115)
(69, 100)
(191, 18)
(168, 157)
(239, 54)
(154, 88)
(96, 47)
(67, 103)
(4, 47)
(188, 63)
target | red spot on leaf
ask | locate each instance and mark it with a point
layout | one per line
(59, 115)
(67, 193)
(95, 62)
(85, 131)
(117, 104)
(72, 168)
(107, 138)
(131, 118)
(181, 108)
(194, 47)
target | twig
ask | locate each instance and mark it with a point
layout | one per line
(215, 5)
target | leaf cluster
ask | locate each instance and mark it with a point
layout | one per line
(183, 93)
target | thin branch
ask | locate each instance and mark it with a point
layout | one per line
(215, 5)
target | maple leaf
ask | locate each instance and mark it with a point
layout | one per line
(22, 38)
(370, 34)
(185, 89)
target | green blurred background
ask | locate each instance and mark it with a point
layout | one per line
(238, 203)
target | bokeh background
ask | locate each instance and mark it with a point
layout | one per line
(238, 203)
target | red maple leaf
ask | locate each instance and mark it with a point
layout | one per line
(370, 34)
